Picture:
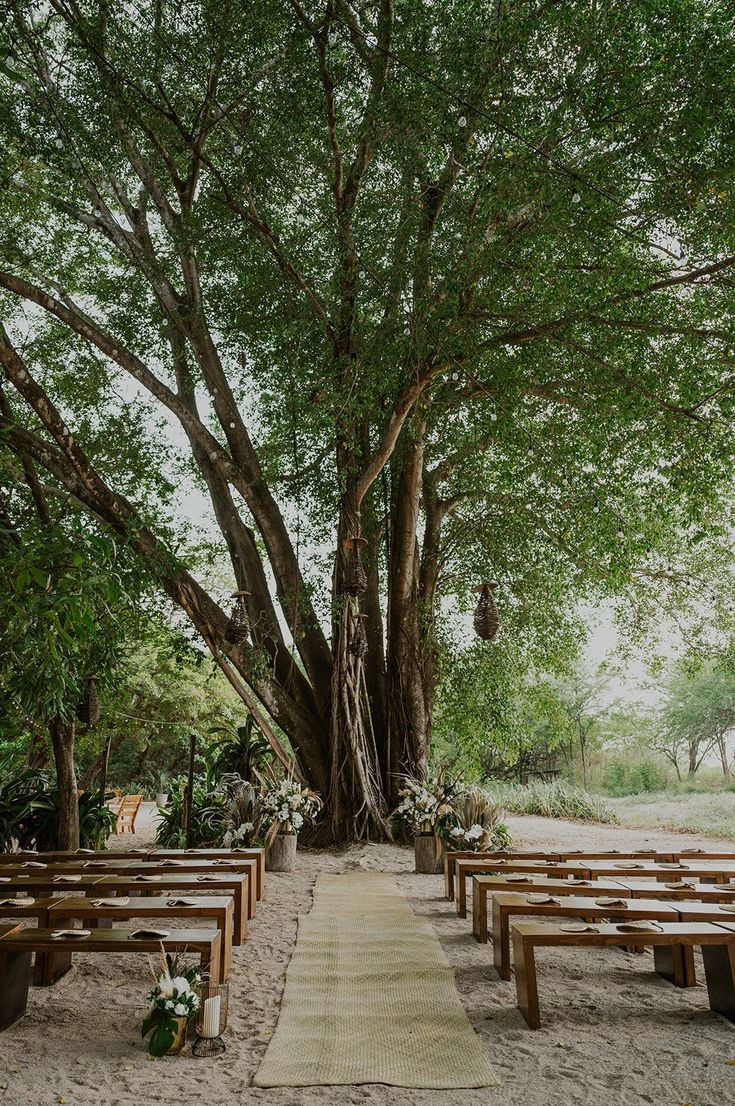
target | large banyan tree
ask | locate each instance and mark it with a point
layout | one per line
(434, 293)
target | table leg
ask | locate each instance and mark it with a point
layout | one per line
(462, 893)
(526, 986)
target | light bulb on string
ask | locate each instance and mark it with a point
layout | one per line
(462, 121)
(576, 197)
(332, 37)
(371, 40)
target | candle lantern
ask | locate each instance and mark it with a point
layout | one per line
(359, 642)
(211, 1018)
(89, 711)
(238, 627)
(487, 619)
(355, 579)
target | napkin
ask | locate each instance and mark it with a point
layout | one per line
(149, 934)
(17, 902)
(538, 900)
(74, 934)
(680, 885)
(181, 902)
(642, 926)
(147, 879)
(34, 864)
(67, 879)
(206, 879)
(627, 864)
(123, 900)
(578, 927)
(519, 879)
(612, 902)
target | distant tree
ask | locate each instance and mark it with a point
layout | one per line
(698, 714)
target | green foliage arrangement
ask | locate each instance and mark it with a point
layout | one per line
(173, 996)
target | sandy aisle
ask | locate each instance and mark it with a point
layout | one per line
(613, 1032)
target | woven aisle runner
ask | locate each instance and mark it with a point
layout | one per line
(370, 998)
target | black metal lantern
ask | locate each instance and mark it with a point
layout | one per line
(359, 642)
(89, 711)
(487, 619)
(355, 577)
(238, 627)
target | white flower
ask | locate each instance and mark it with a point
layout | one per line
(169, 1004)
(181, 984)
(474, 833)
(297, 821)
(227, 839)
(456, 832)
(165, 986)
(247, 827)
(180, 1010)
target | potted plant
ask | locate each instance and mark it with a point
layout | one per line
(426, 813)
(163, 783)
(287, 807)
(173, 1001)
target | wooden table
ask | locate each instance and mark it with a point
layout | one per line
(221, 908)
(550, 868)
(231, 883)
(507, 905)
(719, 965)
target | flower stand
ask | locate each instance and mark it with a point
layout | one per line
(429, 857)
(280, 855)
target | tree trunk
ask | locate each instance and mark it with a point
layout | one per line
(90, 774)
(693, 754)
(37, 756)
(62, 740)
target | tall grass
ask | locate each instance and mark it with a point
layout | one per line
(552, 800)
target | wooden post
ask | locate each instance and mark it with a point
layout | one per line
(103, 773)
(189, 798)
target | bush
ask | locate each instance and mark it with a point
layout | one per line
(552, 800)
(207, 817)
(623, 777)
(29, 814)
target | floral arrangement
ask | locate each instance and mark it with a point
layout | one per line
(239, 836)
(479, 822)
(173, 996)
(243, 822)
(287, 806)
(426, 806)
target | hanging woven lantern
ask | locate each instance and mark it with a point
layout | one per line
(238, 627)
(355, 578)
(89, 710)
(359, 642)
(487, 619)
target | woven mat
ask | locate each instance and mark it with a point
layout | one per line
(370, 998)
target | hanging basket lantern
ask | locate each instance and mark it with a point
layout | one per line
(487, 619)
(359, 642)
(238, 627)
(89, 711)
(355, 577)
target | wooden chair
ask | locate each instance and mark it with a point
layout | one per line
(508, 905)
(127, 813)
(672, 946)
(17, 945)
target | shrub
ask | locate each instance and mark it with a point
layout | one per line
(29, 814)
(552, 800)
(623, 777)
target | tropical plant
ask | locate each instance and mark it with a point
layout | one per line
(240, 750)
(207, 815)
(479, 822)
(173, 996)
(243, 822)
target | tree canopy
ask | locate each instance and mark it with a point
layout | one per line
(455, 279)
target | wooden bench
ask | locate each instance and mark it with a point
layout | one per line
(219, 881)
(64, 870)
(507, 905)
(572, 869)
(217, 854)
(716, 941)
(483, 886)
(221, 908)
(715, 871)
(127, 812)
(17, 946)
(451, 856)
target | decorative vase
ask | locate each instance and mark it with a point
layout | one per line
(280, 855)
(161, 799)
(429, 853)
(180, 1039)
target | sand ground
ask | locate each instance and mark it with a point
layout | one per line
(614, 1033)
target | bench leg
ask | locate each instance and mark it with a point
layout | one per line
(719, 970)
(526, 986)
(240, 929)
(50, 967)
(479, 914)
(448, 881)
(501, 940)
(15, 975)
(675, 963)
(462, 894)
